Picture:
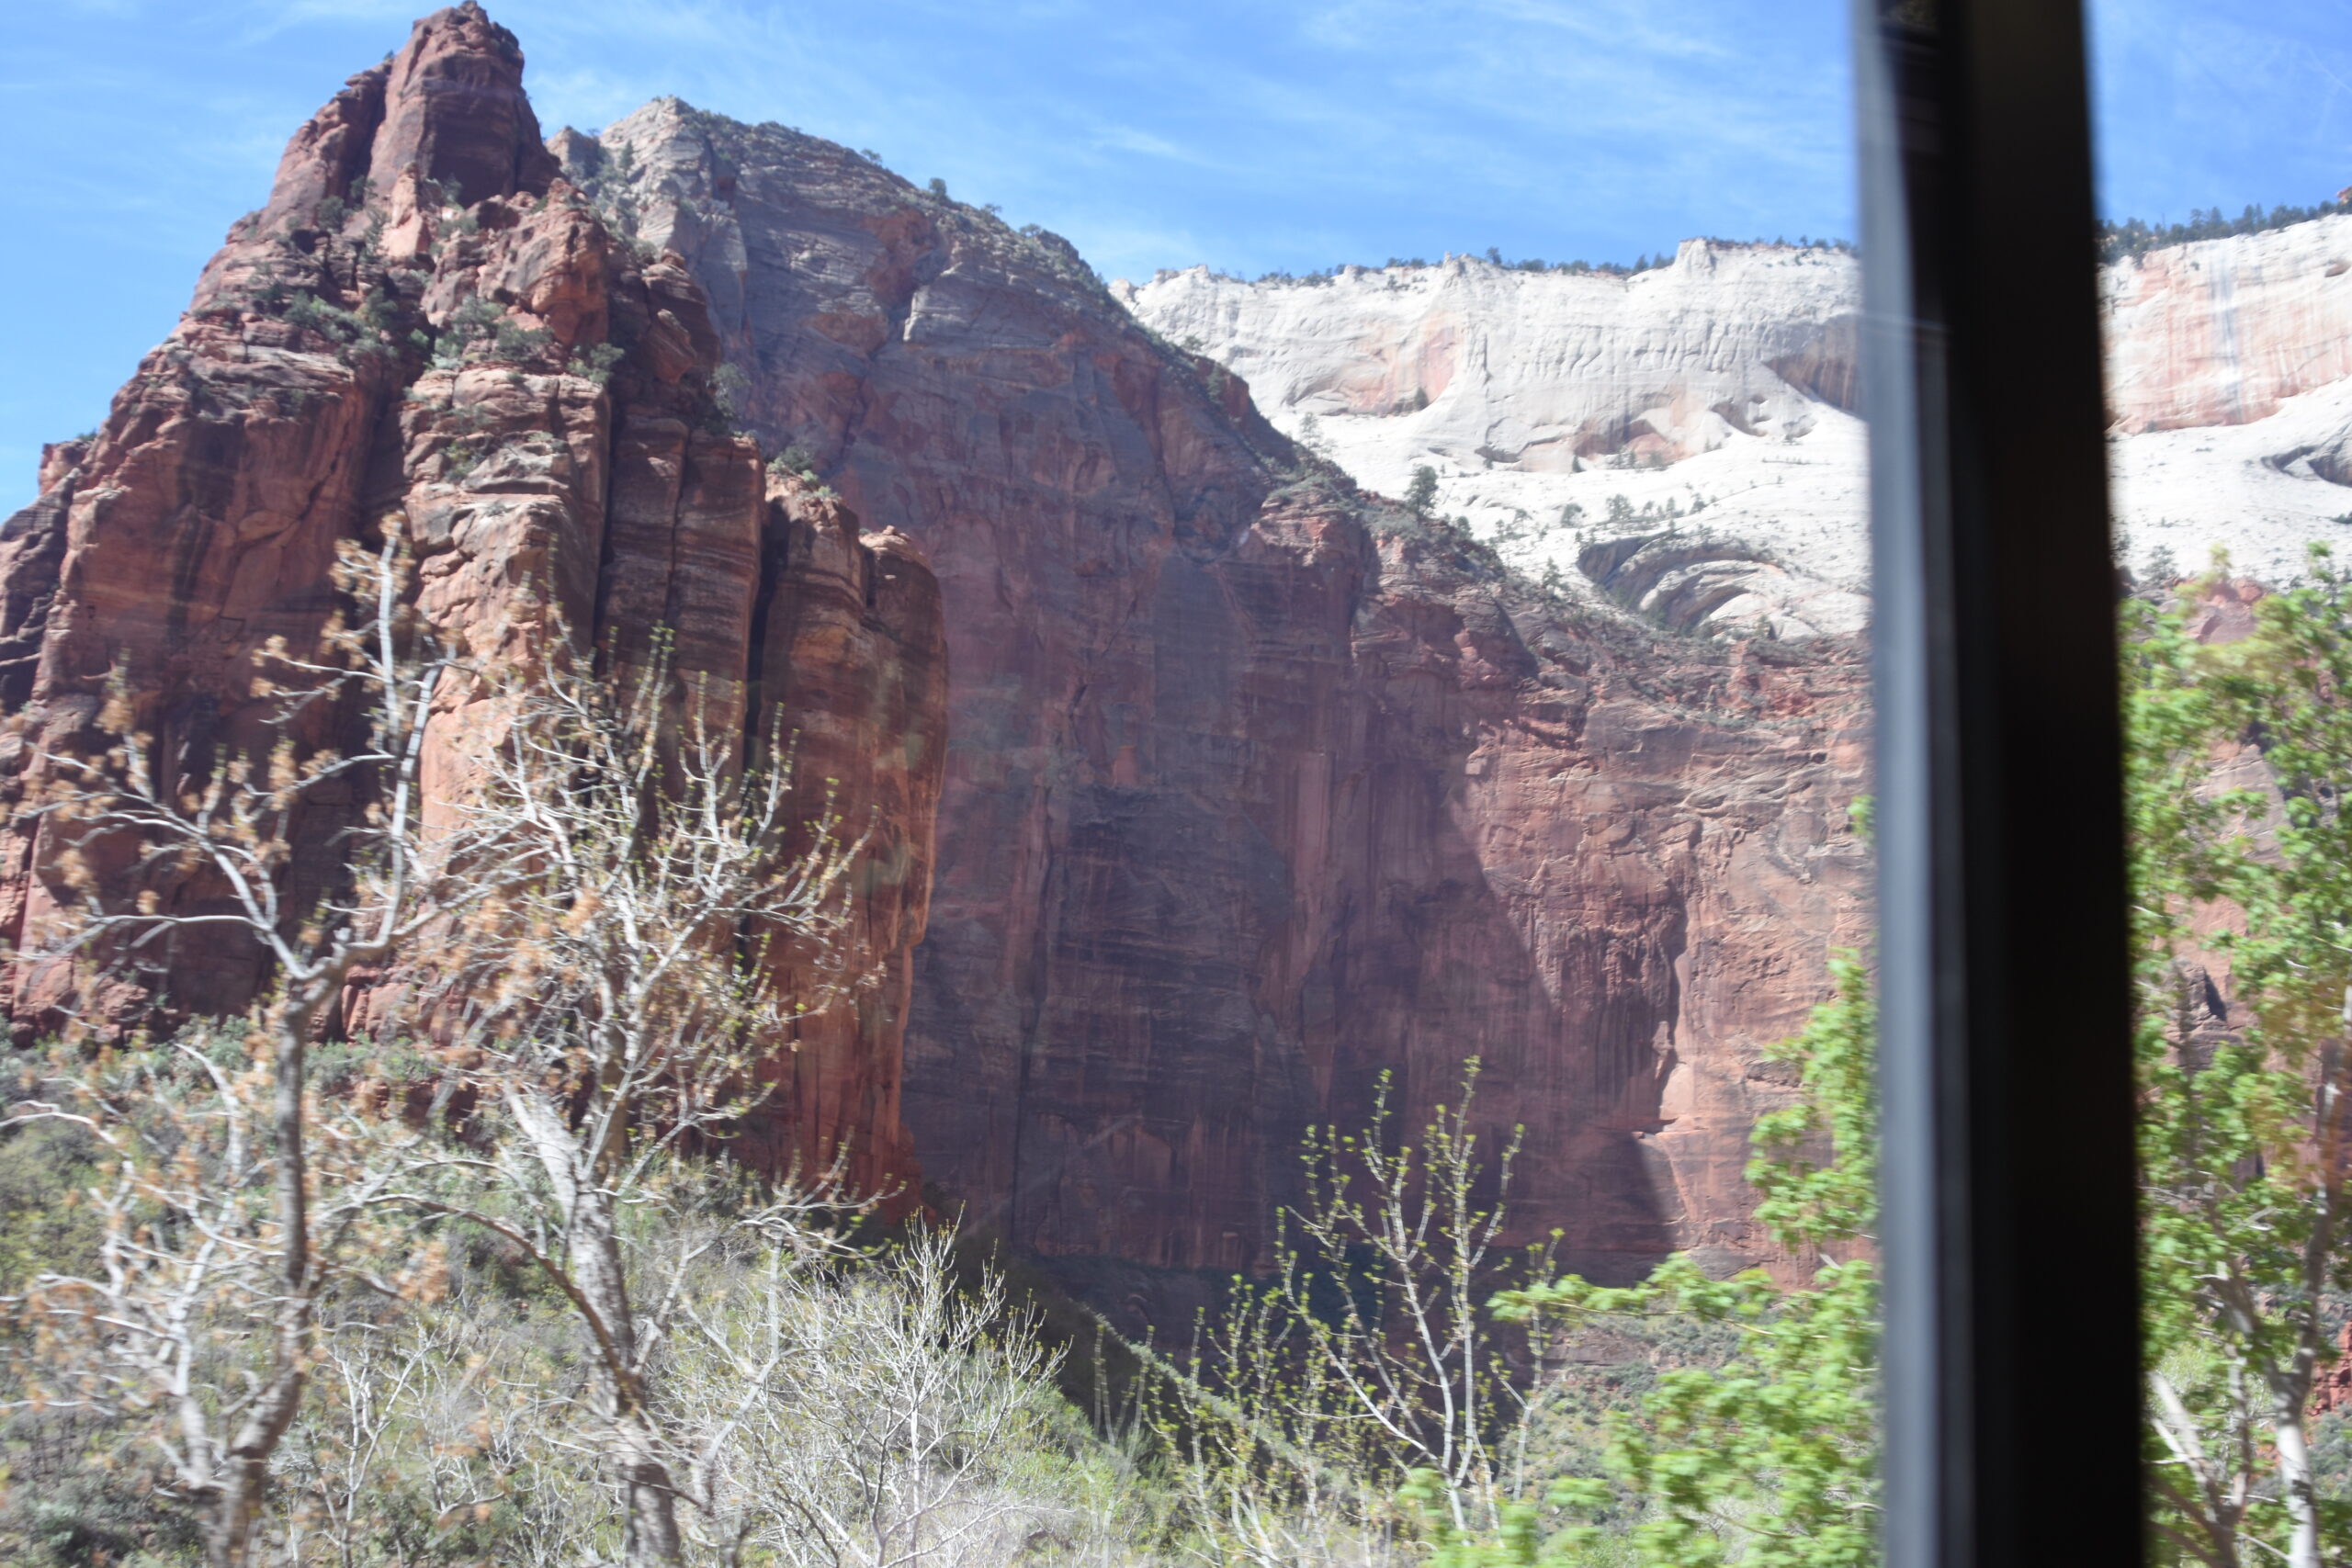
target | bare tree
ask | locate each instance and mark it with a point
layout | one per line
(599, 939)
(878, 1418)
(818, 1406)
(439, 1433)
(628, 1000)
(226, 1219)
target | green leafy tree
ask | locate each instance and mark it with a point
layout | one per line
(1421, 494)
(2243, 890)
(2242, 1117)
(1770, 1457)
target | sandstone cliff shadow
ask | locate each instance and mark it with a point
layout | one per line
(1541, 939)
(1287, 876)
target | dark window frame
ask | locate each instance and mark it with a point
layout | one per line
(2009, 1230)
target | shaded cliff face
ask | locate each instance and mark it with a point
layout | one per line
(1257, 788)
(428, 332)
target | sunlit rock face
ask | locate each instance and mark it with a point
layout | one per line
(2226, 331)
(1258, 787)
(318, 391)
(1623, 398)
(1543, 371)
(2230, 386)
(1705, 408)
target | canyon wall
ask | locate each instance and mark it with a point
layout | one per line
(1696, 420)
(1544, 371)
(2225, 331)
(1681, 440)
(1252, 791)
(1258, 787)
(1206, 790)
(428, 335)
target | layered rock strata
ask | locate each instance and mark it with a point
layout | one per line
(1700, 413)
(2225, 331)
(1251, 788)
(1707, 407)
(1258, 788)
(1544, 371)
(429, 334)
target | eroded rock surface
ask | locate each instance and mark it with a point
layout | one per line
(1258, 787)
(1543, 371)
(2224, 332)
(1713, 398)
(1250, 788)
(429, 333)
(1705, 410)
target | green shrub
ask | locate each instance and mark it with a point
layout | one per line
(313, 314)
(513, 341)
(597, 363)
(43, 1223)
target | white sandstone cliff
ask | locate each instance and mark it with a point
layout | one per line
(1704, 407)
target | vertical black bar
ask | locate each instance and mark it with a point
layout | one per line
(2012, 1346)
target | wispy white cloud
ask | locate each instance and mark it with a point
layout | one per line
(1127, 139)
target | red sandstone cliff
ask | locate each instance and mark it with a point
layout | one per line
(428, 331)
(1255, 788)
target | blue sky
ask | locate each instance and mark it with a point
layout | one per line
(1251, 134)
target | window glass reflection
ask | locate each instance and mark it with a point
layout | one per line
(2226, 248)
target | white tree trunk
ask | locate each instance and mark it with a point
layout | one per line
(593, 1242)
(2295, 1473)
